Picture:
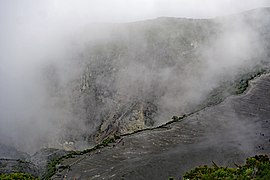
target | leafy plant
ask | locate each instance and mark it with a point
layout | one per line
(257, 167)
(17, 176)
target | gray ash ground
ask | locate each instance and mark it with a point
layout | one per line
(226, 134)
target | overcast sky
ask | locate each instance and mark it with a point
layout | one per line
(82, 11)
(24, 22)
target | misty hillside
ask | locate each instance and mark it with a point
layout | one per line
(135, 81)
(213, 74)
(138, 75)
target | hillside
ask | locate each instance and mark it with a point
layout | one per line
(139, 75)
(152, 99)
(226, 134)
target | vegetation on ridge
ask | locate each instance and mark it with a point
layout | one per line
(257, 167)
(242, 84)
(51, 167)
(17, 176)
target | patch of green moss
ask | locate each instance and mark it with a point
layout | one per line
(178, 118)
(242, 84)
(257, 167)
(17, 176)
(51, 167)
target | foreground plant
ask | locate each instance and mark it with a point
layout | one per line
(17, 176)
(257, 167)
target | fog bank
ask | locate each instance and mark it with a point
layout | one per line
(48, 48)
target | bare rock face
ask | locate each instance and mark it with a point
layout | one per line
(175, 67)
(14, 161)
(8, 152)
(42, 158)
(141, 74)
(146, 72)
(135, 117)
(8, 166)
(226, 134)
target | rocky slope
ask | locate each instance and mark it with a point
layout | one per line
(226, 134)
(141, 74)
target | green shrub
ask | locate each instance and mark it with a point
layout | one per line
(257, 167)
(17, 176)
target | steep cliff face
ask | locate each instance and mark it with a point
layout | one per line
(225, 134)
(127, 77)
(138, 75)
(145, 72)
(14, 161)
